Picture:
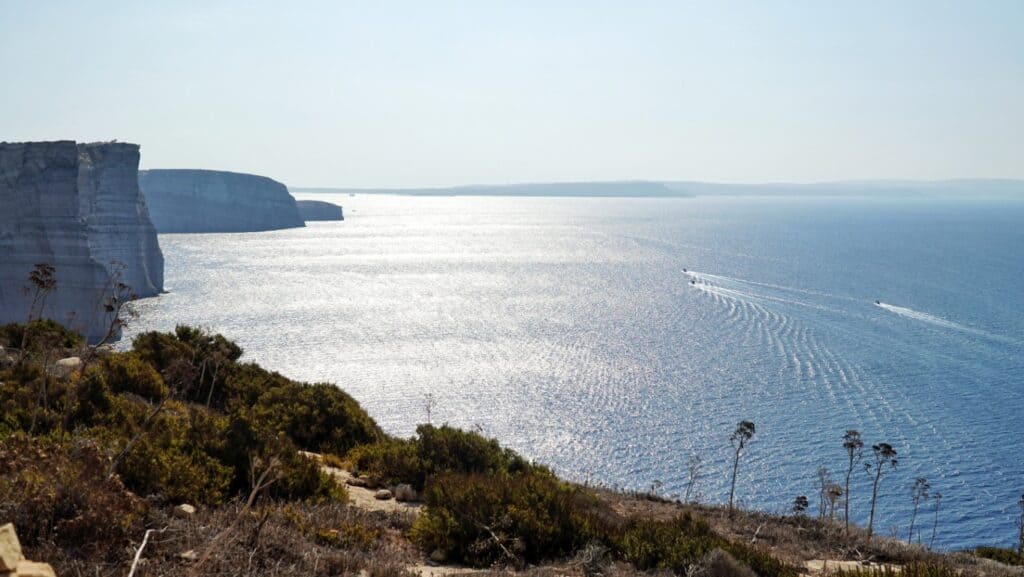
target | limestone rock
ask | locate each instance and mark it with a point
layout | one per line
(356, 482)
(438, 556)
(189, 555)
(33, 569)
(76, 207)
(183, 200)
(312, 210)
(65, 367)
(10, 548)
(184, 511)
(383, 495)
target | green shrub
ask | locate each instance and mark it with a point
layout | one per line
(129, 373)
(433, 451)
(910, 570)
(39, 335)
(389, 462)
(679, 543)
(172, 459)
(481, 520)
(1005, 556)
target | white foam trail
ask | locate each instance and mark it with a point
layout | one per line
(772, 286)
(702, 283)
(944, 323)
(924, 317)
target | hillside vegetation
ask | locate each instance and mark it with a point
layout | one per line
(96, 455)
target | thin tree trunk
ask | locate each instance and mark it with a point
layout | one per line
(732, 487)
(874, 498)
(846, 497)
(913, 518)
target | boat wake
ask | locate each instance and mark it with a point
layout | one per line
(924, 317)
(943, 323)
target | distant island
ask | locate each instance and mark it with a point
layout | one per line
(638, 189)
(993, 188)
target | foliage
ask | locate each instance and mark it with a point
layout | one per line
(481, 520)
(911, 570)
(56, 491)
(1006, 556)
(433, 451)
(39, 335)
(681, 543)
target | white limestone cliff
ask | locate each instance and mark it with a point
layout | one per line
(185, 200)
(312, 210)
(78, 208)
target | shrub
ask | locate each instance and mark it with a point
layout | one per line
(175, 458)
(482, 520)
(681, 543)
(57, 491)
(39, 335)
(390, 462)
(433, 451)
(910, 570)
(129, 373)
(1005, 556)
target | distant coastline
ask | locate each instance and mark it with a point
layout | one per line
(975, 188)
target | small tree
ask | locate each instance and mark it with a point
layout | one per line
(694, 473)
(800, 505)
(1020, 527)
(918, 493)
(833, 493)
(855, 453)
(935, 523)
(43, 281)
(740, 437)
(884, 455)
(824, 480)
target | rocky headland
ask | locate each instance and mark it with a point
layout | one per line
(76, 207)
(186, 200)
(312, 210)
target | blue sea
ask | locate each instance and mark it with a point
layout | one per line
(613, 339)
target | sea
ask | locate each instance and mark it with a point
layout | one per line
(620, 340)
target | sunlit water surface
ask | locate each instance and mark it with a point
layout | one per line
(568, 329)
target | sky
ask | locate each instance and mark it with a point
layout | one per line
(435, 93)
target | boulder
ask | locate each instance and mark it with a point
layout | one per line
(383, 495)
(438, 556)
(33, 569)
(184, 511)
(10, 548)
(356, 482)
(65, 367)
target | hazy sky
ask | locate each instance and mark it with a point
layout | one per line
(426, 93)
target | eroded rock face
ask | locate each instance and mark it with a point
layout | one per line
(74, 207)
(183, 200)
(319, 210)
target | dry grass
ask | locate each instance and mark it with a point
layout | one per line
(280, 540)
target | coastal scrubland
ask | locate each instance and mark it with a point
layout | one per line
(175, 456)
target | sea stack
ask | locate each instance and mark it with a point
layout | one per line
(78, 208)
(312, 210)
(186, 200)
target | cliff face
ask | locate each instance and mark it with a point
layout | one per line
(319, 210)
(115, 212)
(214, 201)
(73, 206)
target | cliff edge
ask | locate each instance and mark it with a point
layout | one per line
(76, 207)
(185, 200)
(319, 210)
